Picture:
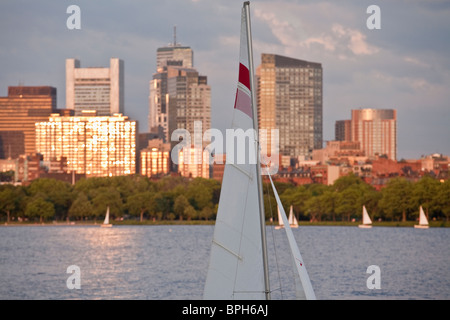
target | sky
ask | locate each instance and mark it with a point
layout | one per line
(405, 65)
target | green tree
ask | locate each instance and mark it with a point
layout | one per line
(139, 203)
(8, 201)
(104, 197)
(395, 201)
(57, 192)
(348, 202)
(423, 194)
(441, 200)
(180, 206)
(38, 207)
(81, 207)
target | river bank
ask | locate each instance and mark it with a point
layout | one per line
(409, 224)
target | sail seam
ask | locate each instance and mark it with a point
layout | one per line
(226, 249)
(242, 170)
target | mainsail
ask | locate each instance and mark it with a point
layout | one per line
(365, 217)
(423, 221)
(238, 261)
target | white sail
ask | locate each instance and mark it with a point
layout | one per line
(280, 219)
(106, 216)
(236, 268)
(306, 290)
(292, 219)
(365, 218)
(422, 218)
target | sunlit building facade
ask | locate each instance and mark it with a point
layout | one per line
(155, 159)
(93, 145)
(193, 162)
(18, 113)
(290, 99)
(376, 130)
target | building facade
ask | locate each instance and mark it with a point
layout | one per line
(193, 162)
(376, 130)
(93, 145)
(172, 56)
(343, 130)
(18, 113)
(99, 89)
(155, 159)
(290, 99)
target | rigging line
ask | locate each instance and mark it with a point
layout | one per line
(273, 239)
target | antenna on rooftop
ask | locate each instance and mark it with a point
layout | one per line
(175, 36)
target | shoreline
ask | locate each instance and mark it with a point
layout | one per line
(394, 224)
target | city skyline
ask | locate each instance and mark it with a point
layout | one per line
(404, 65)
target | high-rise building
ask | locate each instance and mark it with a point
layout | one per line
(173, 55)
(290, 99)
(189, 100)
(93, 145)
(343, 130)
(376, 130)
(99, 89)
(18, 113)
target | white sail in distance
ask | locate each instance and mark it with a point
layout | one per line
(237, 266)
(365, 218)
(422, 218)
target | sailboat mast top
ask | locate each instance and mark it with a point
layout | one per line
(258, 164)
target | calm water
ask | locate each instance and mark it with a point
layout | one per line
(170, 262)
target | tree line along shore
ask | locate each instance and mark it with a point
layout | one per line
(136, 199)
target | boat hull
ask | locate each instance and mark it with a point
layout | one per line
(365, 226)
(106, 225)
(418, 226)
(293, 226)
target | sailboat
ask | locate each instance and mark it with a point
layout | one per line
(238, 265)
(106, 223)
(292, 219)
(423, 221)
(366, 221)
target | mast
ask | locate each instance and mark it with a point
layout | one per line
(258, 164)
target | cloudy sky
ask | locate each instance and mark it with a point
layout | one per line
(405, 65)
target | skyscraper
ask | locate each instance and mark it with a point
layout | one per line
(290, 100)
(171, 56)
(18, 112)
(376, 130)
(99, 89)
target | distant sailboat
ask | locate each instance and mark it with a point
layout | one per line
(423, 221)
(366, 221)
(106, 223)
(238, 266)
(292, 220)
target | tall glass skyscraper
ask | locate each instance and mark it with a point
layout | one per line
(290, 99)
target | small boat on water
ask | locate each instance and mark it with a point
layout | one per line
(106, 223)
(423, 221)
(292, 220)
(366, 221)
